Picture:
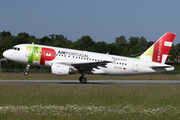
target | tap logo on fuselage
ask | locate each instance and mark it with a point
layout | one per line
(39, 55)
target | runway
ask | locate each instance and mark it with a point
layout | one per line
(94, 81)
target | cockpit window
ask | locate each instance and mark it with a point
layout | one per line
(16, 48)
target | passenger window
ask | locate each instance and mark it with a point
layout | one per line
(18, 49)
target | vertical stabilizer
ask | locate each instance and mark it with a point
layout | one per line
(158, 52)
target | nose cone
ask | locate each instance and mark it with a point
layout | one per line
(6, 54)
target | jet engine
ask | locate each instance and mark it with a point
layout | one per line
(60, 69)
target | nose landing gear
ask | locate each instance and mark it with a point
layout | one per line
(26, 71)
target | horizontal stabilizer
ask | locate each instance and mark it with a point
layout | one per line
(161, 66)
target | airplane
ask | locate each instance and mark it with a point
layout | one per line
(65, 61)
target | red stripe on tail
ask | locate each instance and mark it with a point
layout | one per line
(159, 47)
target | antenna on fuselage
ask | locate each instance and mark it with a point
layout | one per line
(33, 43)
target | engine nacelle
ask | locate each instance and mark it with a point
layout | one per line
(60, 69)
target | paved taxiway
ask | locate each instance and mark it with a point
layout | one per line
(95, 81)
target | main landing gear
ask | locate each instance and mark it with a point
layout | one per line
(26, 71)
(82, 79)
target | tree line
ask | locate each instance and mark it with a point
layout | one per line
(121, 46)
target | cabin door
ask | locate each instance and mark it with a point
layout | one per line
(135, 66)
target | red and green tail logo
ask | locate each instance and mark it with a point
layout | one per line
(158, 52)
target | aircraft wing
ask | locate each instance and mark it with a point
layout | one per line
(90, 65)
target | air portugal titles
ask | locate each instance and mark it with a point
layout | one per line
(40, 54)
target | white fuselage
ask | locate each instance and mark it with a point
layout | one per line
(119, 65)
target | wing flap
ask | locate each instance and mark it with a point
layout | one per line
(90, 65)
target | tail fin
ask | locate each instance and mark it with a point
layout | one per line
(158, 52)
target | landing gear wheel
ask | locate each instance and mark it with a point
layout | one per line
(83, 80)
(26, 72)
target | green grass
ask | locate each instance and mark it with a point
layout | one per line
(55, 101)
(89, 101)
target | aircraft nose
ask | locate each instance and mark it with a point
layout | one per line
(6, 54)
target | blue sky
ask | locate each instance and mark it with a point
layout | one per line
(102, 20)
